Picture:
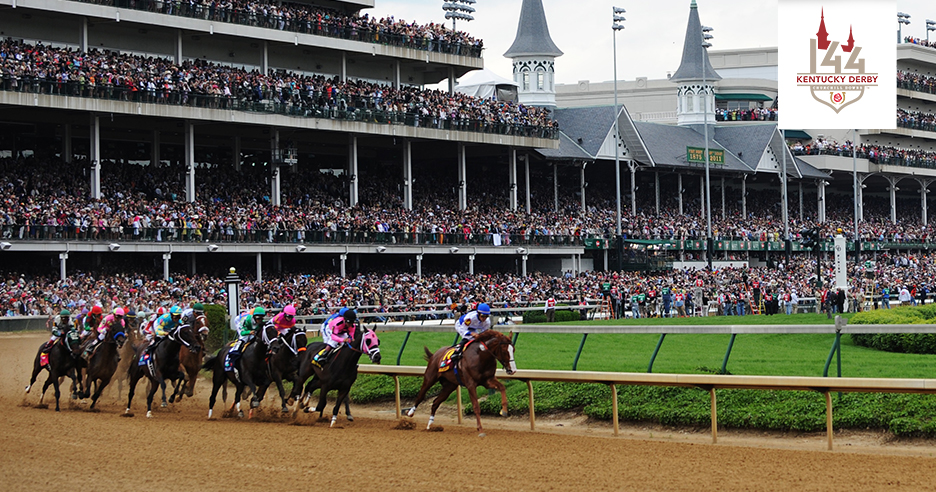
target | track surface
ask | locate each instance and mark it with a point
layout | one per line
(180, 450)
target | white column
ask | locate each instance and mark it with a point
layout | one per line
(656, 188)
(408, 174)
(95, 151)
(633, 169)
(276, 159)
(893, 198)
(352, 170)
(259, 267)
(236, 154)
(462, 178)
(419, 259)
(512, 176)
(189, 161)
(344, 259)
(744, 197)
(265, 58)
(396, 75)
(680, 190)
(178, 47)
(723, 214)
(67, 143)
(344, 66)
(702, 192)
(923, 192)
(154, 150)
(555, 166)
(524, 259)
(800, 184)
(451, 80)
(83, 35)
(821, 199)
(166, 258)
(526, 172)
(63, 259)
(582, 184)
(471, 259)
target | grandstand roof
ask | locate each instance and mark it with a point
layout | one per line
(568, 150)
(532, 33)
(590, 125)
(667, 146)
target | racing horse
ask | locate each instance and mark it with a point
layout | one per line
(249, 369)
(191, 362)
(165, 364)
(282, 362)
(476, 368)
(338, 374)
(102, 364)
(61, 362)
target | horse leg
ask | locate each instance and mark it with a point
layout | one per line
(48, 382)
(58, 394)
(342, 396)
(282, 390)
(313, 385)
(162, 387)
(473, 393)
(98, 389)
(218, 379)
(495, 384)
(428, 380)
(37, 368)
(155, 384)
(447, 388)
(131, 386)
(347, 408)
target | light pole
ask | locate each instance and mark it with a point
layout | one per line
(930, 26)
(902, 18)
(709, 250)
(615, 27)
(455, 10)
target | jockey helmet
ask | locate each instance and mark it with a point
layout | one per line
(484, 309)
(289, 310)
(160, 311)
(259, 311)
(175, 311)
(131, 313)
(64, 313)
(342, 311)
(119, 312)
(198, 307)
(350, 316)
(97, 310)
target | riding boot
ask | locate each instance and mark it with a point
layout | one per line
(89, 349)
(457, 355)
(321, 358)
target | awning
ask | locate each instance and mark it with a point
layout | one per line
(742, 97)
(800, 134)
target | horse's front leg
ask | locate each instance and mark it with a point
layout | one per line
(155, 384)
(342, 395)
(473, 393)
(282, 390)
(447, 388)
(494, 383)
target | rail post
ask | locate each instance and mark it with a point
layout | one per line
(532, 408)
(396, 395)
(714, 416)
(828, 402)
(724, 366)
(579, 353)
(655, 352)
(614, 407)
(458, 404)
(405, 339)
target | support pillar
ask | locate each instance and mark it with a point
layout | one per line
(526, 177)
(344, 260)
(154, 150)
(923, 191)
(408, 174)
(702, 192)
(236, 155)
(192, 264)
(451, 80)
(744, 197)
(189, 161)
(892, 189)
(821, 199)
(633, 170)
(63, 259)
(723, 214)
(419, 259)
(396, 75)
(523, 262)
(276, 160)
(83, 35)
(166, 258)
(800, 184)
(582, 184)
(178, 47)
(67, 143)
(265, 58)
(462, 179)
(512, 177)
(656, 190)
(95, 151)
(471, 259)
(344, 67)
(353, 170)
(679, 184)
(259, 267)
(555, 167)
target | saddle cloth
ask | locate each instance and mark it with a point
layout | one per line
(446, 363)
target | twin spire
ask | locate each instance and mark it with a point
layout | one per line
(824, 40)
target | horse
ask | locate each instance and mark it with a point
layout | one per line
(102, 364)
(249, 368)
(339, 374)
(476, 368)
(191, 362)
(61, 362)
(135, 337)
(282, 363)
(164, 366)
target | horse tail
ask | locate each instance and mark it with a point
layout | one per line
(428, 355)
(209, 361)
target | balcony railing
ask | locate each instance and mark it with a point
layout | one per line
(912, 86)
(332, 28)
(306, 104)
(916, 162)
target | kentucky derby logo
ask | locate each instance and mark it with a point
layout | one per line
(836, 89)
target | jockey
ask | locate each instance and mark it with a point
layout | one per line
(341, 330)
(247, 324)
(326, 331)
(147, 329)
(285, 320)
(191, 314)
(164, 325)
(469, 325)
(61, 325)
(117, 318)
(91, 322)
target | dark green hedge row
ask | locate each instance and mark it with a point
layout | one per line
(540, 316)
(909, 343)
(217, 325)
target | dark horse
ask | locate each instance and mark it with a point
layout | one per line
(165, 365)
(476, 368)
(103, 362)
(191, 362)
(62, 362)
(282, 363)
(250, 368)
(339, 374)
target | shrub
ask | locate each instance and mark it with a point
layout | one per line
(910, 343)
(217, 325)
(540, 316)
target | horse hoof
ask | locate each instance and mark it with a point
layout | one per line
(290, 401)
(285, 410)
(307, 410)
(482, 435)
(28, 387)
(503, 413)
(163, 405)
(350, 418)
(254, 404)
(240, 414)
(411, 412)
(149, 414)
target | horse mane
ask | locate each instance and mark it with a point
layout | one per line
(488, 335)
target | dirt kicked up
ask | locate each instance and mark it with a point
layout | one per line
(179, 449)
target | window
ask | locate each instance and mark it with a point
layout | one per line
(539, 80)
(526, 81)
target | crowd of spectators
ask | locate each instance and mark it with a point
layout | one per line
(916, 120)
(875, 153)
(921, 42)
(754, 114)
(114, 75)
(916, 82)
(312, 19)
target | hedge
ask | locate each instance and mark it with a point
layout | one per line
(908, 343)
(540, 316)
(217, 325)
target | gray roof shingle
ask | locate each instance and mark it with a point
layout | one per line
(589, 124)
(533, 33)
(691, 66)
(568, 150)
(667, 144)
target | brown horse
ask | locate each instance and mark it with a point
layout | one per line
(476, 368)
(190, 361)
(102, 364)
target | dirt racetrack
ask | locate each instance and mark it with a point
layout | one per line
(180, 450)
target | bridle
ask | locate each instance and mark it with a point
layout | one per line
(500, 343)
(371, 352)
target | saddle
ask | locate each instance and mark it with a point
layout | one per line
(446, 363)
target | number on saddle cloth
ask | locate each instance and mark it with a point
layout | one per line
(446, 363)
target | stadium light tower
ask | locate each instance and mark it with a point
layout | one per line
(709, 250)
(615, 27)
(930, 26)
(902, 18)
(459, 9)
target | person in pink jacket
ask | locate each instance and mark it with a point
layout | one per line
(342, 331)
